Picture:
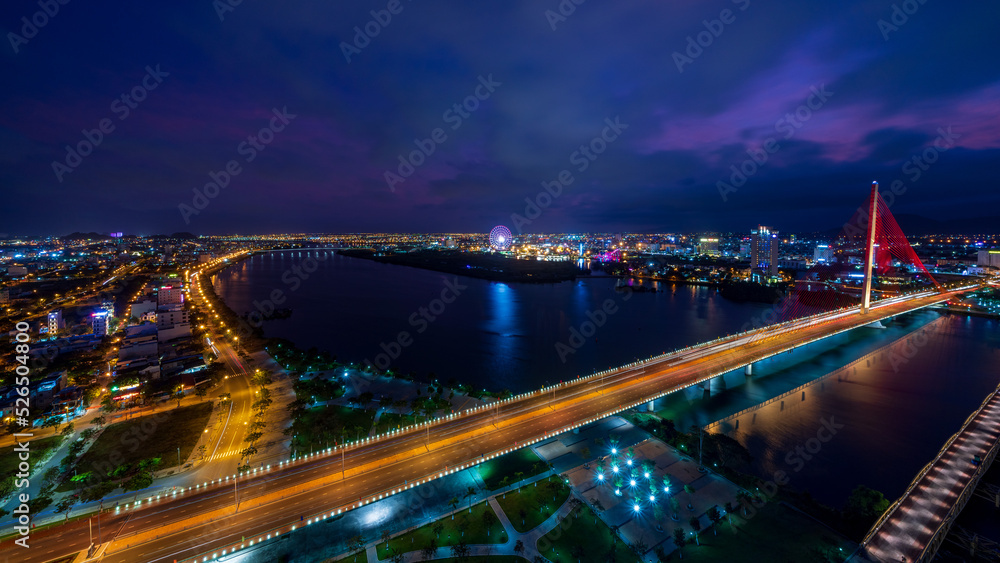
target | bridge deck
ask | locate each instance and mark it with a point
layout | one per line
(919, 520)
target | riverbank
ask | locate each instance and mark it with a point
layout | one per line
(492, 267)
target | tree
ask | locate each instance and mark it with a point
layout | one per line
(460, 551)
(696, 526)
(438, 528)
(489, 519)
(866, 503)
(385, 538)
(470, 492)
(679, 540)
(518, 548)
(577, 552)
(396, 556)
(201, 391)
(67, 430)
(64, 506)
(714, 516)
(429, 550)
(100, 420)
(453, 503)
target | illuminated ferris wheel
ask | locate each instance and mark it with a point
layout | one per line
(501, 238)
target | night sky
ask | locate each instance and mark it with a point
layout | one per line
(881, 93)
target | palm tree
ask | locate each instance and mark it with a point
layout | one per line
(714, 516)
(518, 547)
(470, 492)
(453, 503)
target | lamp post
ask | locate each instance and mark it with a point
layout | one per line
(236, 492)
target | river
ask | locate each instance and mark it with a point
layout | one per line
(891, 413)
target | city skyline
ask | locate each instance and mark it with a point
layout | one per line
(649, 125)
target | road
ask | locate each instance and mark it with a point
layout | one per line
(204, 521)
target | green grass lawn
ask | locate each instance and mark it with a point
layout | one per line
(9, 460)
(583, 531)
(523, 460)
(450, 533)
(156, 435)
(39, 447)
(775, 533)
(392, 421)
(321, 427)
(534, 503)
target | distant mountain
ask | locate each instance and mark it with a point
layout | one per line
(184, 235)
(85, 236)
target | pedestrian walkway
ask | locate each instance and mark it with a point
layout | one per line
(914, 527)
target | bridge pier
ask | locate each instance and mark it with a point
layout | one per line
(748, 370)
(720, 383)
(651, 406)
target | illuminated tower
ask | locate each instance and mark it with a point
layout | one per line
(764, 246)
(870, 252)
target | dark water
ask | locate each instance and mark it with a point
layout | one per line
(494, 335)
(894, 417)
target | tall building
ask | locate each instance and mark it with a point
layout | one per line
(709, 245)
(823, 254)
(169, 295)
(100, 323)
(764, 247)
(109, 307)
(56, 321)
(989, 258)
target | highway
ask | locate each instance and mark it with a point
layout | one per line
(204, 521)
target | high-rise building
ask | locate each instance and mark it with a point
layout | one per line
(56, 321)
(100, 323)
(709, 245)
(823, 254)
(169, 295)
(989, 258)
(109, 307)
(764, 247)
